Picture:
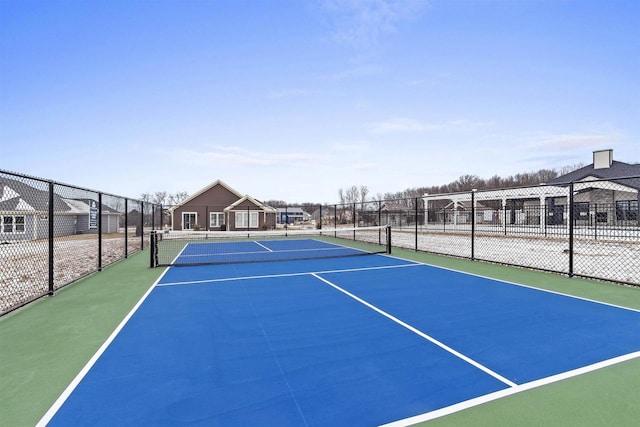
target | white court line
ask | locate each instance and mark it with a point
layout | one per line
(338, 248)
(520, 284)
(421, 334)
(509, 391)
(305, 273)
(46, 418)
(263, 246)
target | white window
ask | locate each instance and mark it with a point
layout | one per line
(189, 220)
(241, 219)
(12, 224)
(216, 219)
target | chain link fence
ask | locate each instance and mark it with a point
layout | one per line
(589, 228)
(53, 234)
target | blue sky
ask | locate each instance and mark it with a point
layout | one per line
(293, 100)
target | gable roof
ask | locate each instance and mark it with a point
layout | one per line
(391, 206)
(204, 190)
(251, 200)
(17, 196)
(614, 173)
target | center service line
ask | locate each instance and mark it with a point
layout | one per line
(421, 334)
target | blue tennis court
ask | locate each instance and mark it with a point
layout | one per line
(343, 341)
(260, 250)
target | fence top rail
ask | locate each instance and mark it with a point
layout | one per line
(50, 181)
(557, 189)
(507, 193)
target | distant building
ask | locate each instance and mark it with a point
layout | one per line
(24, 213)
(220, 207)
(291, 215)
(606, 192)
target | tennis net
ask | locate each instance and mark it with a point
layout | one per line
(178, 248)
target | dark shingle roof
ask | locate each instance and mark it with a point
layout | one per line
(614, 173)
(16, 195)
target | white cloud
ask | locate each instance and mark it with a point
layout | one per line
(569, 142)
(364, 166)
(362, 23)
(404, 124)
(399, 124)
(240, 156)
(290, 93)
(353, 146)
(351, 73)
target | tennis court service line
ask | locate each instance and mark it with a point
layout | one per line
(420, 333)
(269, 276)
(263, 246)
(522, 285)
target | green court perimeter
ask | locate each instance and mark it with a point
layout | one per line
(45, 344)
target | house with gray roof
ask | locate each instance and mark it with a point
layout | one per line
(606, 192)
(24, 213)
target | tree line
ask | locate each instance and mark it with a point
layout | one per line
(355, 194)
(360, 194)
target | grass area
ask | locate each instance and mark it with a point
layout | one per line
(45, 344)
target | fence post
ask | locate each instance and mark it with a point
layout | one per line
(126, 228)
(320, 227)
(416, 220)
(595, 221)
(51, 237)
(637, 210)
(473, 224)
(353, 216)
(354, 221)
(504, 208)
(571, 230)
(99, 231)
(141, 225)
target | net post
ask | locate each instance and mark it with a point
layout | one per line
(388, 239)
(152, 248)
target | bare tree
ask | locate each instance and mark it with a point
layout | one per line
(175, 198)
(364, 191)
(159, 197)
(567, 169)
